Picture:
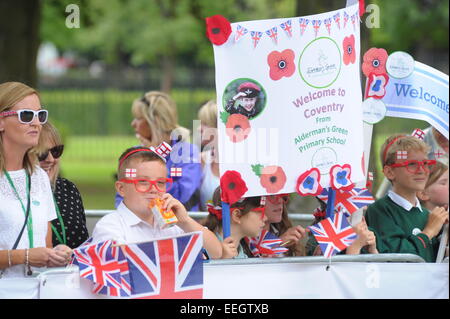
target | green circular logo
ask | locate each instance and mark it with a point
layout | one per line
(320, 63)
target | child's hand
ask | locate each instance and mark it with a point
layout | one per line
(438, 216)
(293, 235)
(171, 203)
(229, 249)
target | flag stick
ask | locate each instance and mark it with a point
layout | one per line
(330, 202)
(226, 220)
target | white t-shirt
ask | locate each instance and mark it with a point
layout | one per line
(126, 227)
(12, 216)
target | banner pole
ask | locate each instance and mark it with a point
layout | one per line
(226, 220)
(330, 202)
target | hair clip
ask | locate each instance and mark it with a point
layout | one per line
(214, 210)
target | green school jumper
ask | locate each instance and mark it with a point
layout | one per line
(398, 230)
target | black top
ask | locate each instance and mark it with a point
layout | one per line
(70, 205)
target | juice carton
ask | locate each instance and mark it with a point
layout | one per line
(163, 218)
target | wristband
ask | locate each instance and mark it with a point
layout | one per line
(27, 264)
(9, 258)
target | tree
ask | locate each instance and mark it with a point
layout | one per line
(19, 40)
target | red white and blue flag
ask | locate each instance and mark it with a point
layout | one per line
(327, 23)
(346, 17)
(337, 18)
(287, 27)
(169, 268)
(349, 202)
(266, 244)
(333, 234)
(256, 36)
(354, 17)
(316, 25)
(100, 264)
(240, 32)
(303, 24)
(273, 34)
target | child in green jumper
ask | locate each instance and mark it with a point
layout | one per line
(402, 225)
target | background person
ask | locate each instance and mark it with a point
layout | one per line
(70, 226)
(156, 121)
(25, 192)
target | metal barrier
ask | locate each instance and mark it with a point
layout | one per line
(198, 215)
(378, 258)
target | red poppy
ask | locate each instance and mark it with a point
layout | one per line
(281, 64)
(272, 178)
(218, 29)
(232, 186)
(374, 61)
(238, 127)
(349, 50)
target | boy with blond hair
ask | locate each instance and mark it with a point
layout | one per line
(402, 225)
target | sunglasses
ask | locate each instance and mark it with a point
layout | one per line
(414, 166)
(56, 152)
(27, 116)
(277, 199)
(143, 185)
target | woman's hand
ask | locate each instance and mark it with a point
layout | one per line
(39, 257)
(60, 257)
(229, 249)
(293, 235)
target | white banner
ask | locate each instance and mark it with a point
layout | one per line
(289, 99)
(344, 280)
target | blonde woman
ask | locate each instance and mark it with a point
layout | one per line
(26, 199)
(70, 226)
(210, 152)
(156, 121)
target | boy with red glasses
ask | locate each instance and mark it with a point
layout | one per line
(142, 179)
(403, 226)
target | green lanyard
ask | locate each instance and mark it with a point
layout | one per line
(30, 218)
(61, 222)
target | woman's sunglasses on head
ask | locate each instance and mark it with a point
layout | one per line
(26, 116)
(56, 152)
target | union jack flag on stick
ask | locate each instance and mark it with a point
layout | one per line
(333, 234)
(349, 202)
(265, 244)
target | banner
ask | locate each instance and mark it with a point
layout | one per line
(423, 95)
(289, 99)
(345, 280)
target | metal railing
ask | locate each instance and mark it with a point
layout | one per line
(199, 215)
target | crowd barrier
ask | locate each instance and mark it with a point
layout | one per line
(386, 276)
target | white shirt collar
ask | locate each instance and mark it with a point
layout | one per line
(402, 202)
(128, 216)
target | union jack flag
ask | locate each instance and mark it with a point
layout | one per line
(100, 263)
(333, 234)
(348, 202)
(346, 17)
(125, 281)
(337, 18)
(240, 32)
(273, 34)
(256, 36)
(287, 27)
(353, 17)
(327, 23)
(303, 24)
(316, 25)
(167, 268)
(265, 244)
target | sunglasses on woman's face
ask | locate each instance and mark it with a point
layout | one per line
(56, 152)
(27, 116)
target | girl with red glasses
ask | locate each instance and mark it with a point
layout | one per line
(247, 220)
(401, 222)
(27, 206)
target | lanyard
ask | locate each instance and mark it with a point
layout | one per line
(30, 219)
(61, 222)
